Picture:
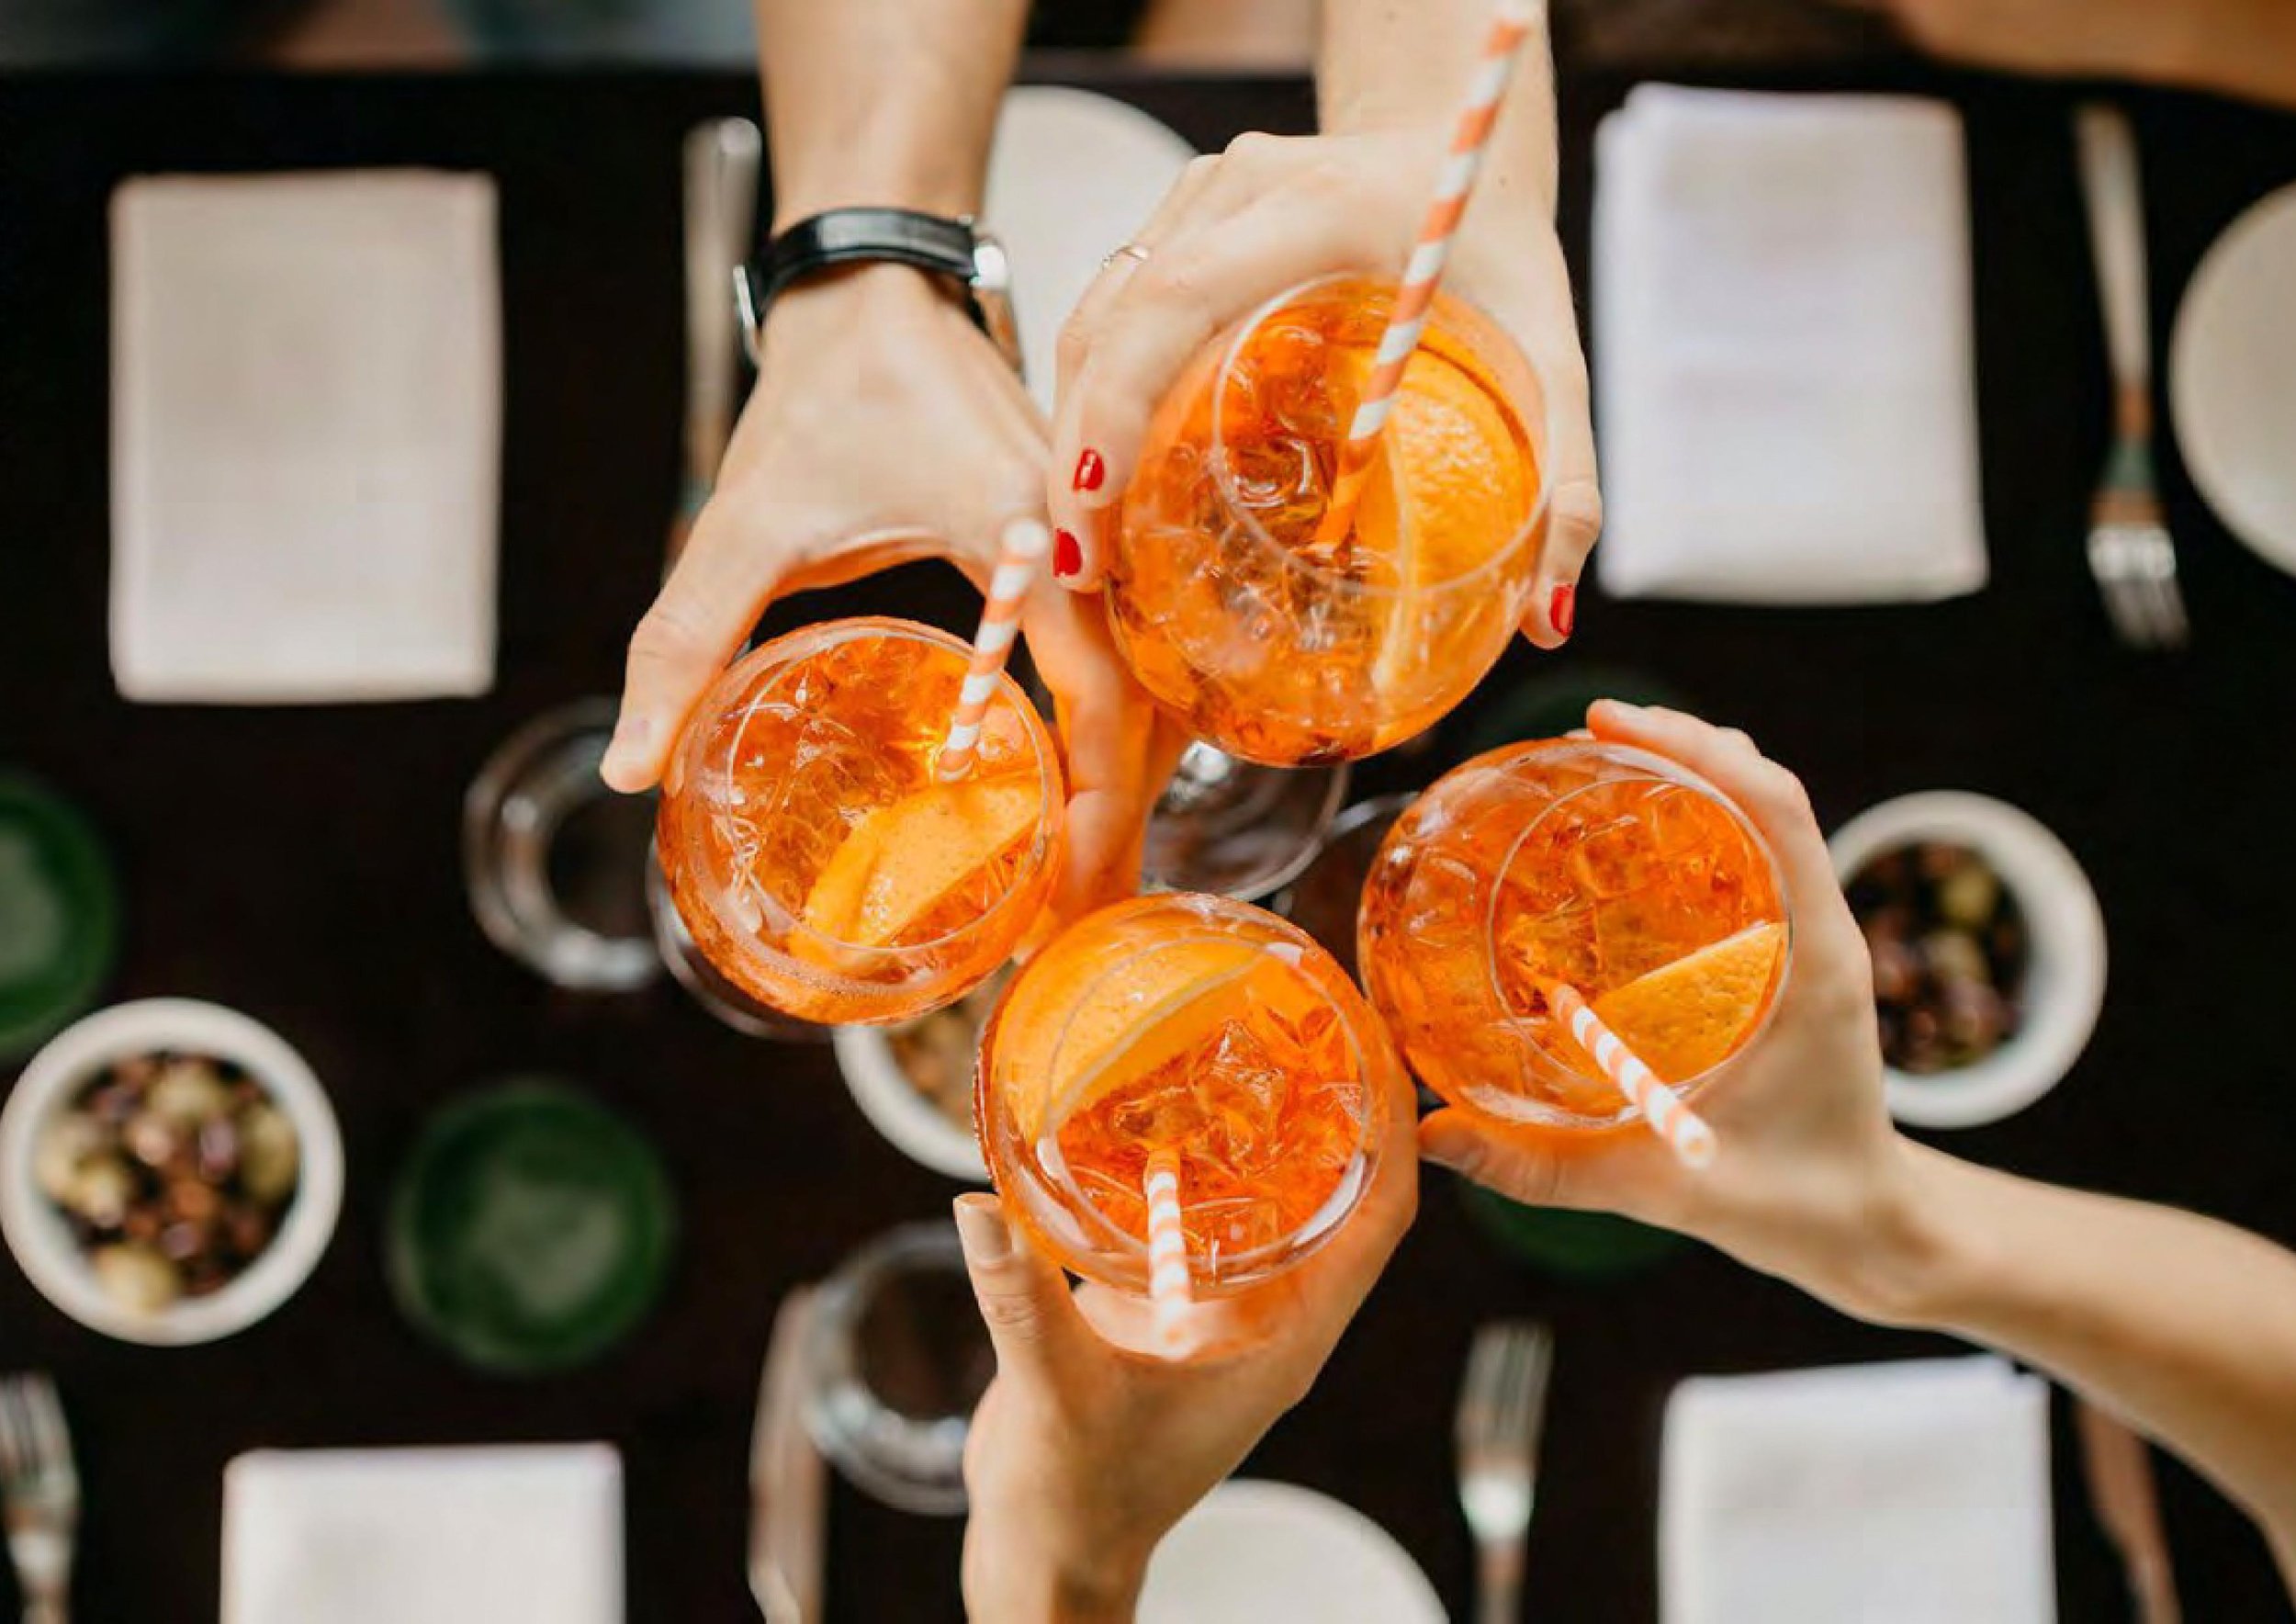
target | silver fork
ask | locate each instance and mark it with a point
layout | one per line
(42, 1493)
(2129, 552)
(1502, 1405)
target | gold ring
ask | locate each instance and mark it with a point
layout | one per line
(1130, 251)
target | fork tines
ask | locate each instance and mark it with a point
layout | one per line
(1503, 1398)
(35, 1447)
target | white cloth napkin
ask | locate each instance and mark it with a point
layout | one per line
(1913, 1492)
(1072, 176)
(527, 1533)
(306, 435)
(1784, 387)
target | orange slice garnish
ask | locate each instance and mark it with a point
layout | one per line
(902, 862)
(1688, 1017)
(1167, 1002)
(1453, 489)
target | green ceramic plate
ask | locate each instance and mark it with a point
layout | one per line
(59, 916)
(531, 1229)
(1576, 1245)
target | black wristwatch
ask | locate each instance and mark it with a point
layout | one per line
(972, 260)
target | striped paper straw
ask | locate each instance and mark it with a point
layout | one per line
(1023, 546)
(1511, 24)
(1169, 1293)
(1685, 1131)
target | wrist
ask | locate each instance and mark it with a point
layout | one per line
(1917, 1241)
(1405, 68)
(1013, 1581)
(841, 302)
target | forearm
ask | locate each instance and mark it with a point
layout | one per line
(2244, 47)
(2184, 1326)
(1386, 65)
(884, 102)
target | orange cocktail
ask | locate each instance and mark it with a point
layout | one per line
(1204, 1030)
(811, 847)
(1287, 645)
(1570, 863)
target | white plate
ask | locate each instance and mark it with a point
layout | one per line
(2232, 378)
(1072, 176)
(1258, 1551)
(36, 1232)
(2065, 979)
(896, 1110)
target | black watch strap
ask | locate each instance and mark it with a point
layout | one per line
(855, 236)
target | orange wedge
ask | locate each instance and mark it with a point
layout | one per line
(903, 861)
(1687, 1017)
(1456, 486)
(1127, 1025)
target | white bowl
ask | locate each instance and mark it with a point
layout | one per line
(45, 1247)
(2065, 973)
(895, 1108)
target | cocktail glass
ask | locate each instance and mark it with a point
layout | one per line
(1286, 647)
(814, 852)
(1570, 863)
(1201, 1030)
(1236, 829)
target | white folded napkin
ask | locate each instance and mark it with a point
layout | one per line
(1072, 176)
(306, 436)
(1914, 1492)
(1785, 384)
(528, 1534)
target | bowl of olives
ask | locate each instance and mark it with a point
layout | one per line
(170, 1171)
(1988, 952)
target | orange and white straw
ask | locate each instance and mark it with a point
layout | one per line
(1685, 1131)
(1510, 26)
(1170, 1295)
(1020, 551)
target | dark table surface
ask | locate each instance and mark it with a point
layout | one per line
(302, 864)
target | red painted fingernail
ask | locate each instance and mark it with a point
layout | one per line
(1562, 610)
(1068, 557)
(1090, 471)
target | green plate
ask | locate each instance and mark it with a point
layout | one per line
(59, 916)
(1573, 1245)
(531, 1229)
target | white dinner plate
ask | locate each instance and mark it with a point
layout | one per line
(1255, 1552)
(2231, 378)
(1072, 176)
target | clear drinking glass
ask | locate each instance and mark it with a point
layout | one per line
(813, 853)
(1196, 1028)
(1580, 864)
(1286, 647)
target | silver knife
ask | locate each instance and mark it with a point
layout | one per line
(722, 162)
(788, 1480)
(2118, 1466)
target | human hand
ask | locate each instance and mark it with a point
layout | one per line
(1265, 215)
(885, 428)
(1811, 1182)
(1086, 1449)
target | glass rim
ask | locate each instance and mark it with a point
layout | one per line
(1651, 767)
(1483, 328)
(1104, 1232)
(807, 642)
